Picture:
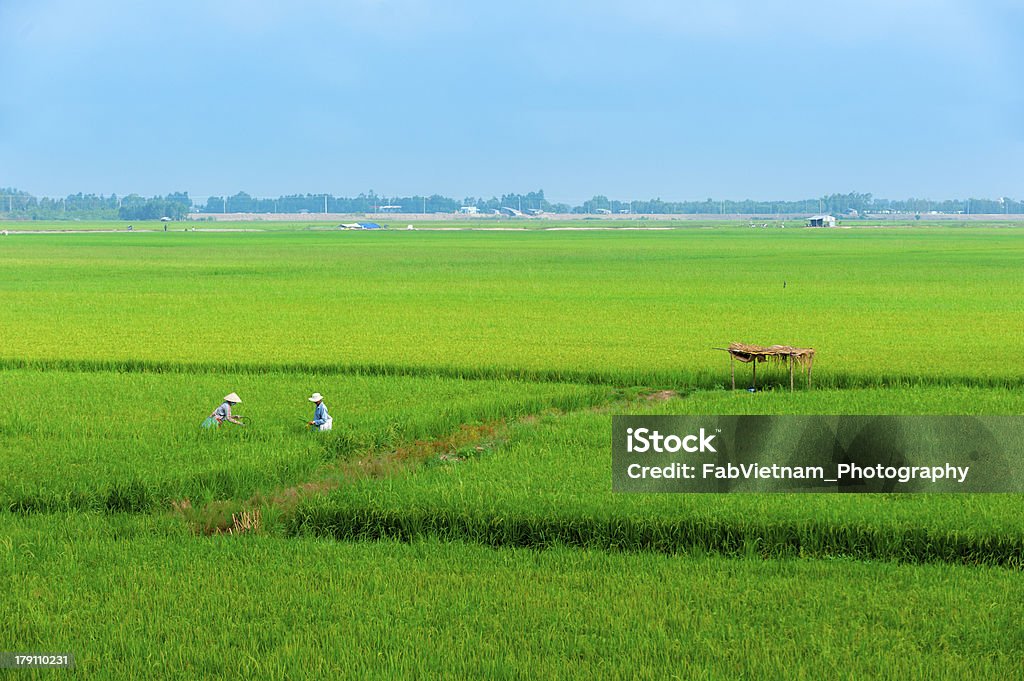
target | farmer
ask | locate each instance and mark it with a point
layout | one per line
(321, 419)
(223, 412)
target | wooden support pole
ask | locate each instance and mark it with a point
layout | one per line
(753, 367)
(732, 367)
(791, 373)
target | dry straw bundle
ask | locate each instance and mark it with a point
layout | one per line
(746, 352)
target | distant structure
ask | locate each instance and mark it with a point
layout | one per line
(389, 209)
(821, 221)
(511, 212)
(781, 354)
(362, 225)
(469, 210)
(603, 211)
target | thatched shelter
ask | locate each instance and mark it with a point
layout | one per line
(752, 354)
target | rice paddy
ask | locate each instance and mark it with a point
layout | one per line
(139, 598)
(915, 305)
(131, 441)
(459, 518)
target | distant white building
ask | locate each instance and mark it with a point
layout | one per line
(821, 221)
(469, 210)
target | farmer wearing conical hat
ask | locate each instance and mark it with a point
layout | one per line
(321, 419)
(223, 412)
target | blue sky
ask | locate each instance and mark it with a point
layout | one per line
(639, 99)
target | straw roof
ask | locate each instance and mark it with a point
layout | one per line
(746, 352)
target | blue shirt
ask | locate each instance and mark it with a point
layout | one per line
(223, 412)
(320, 416)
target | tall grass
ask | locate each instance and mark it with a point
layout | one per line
(131, 597)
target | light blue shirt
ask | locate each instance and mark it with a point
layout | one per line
(223, 412)
(320, 416)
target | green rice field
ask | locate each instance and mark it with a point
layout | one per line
(919, 305)
(135, 597)
(459, 519)
(139, 448)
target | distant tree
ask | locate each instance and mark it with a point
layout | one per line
(19, 204)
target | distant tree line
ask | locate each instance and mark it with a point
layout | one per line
(371, 202)
(19, 204)
(176, 206)
(833, 204)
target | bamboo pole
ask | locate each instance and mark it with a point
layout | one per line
(753, 366)
(732, 367)
(791, 373)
